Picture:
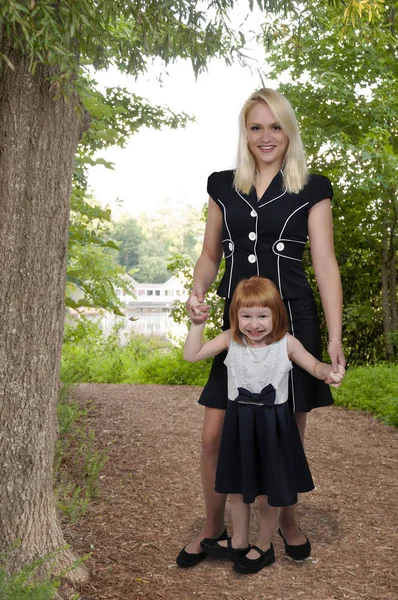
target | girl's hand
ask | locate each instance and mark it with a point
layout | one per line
(334, 378)
(336, 354)
(197, 310)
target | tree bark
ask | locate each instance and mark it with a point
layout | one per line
(38, 139)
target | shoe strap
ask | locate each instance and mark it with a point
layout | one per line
(261, 552)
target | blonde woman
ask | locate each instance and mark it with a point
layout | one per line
(261, 216)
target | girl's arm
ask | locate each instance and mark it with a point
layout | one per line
(195, 349)
(304, 359)
(320, 233)
(207, 265)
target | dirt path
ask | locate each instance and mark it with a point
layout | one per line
(150, 506)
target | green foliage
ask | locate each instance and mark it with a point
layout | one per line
(21, 585)
(146, 244)
(123, 33)
(29, 583)
(372, 389)
(181, 266)
(129, 236)
(171, 369)
(77, 463)
(88, 356)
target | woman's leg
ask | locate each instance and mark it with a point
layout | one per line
(287, 518)
(268, 524)
(214, 502)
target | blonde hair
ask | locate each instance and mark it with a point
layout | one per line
(258, 291)
(294, 168)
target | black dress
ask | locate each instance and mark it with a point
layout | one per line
(261, 453)
(267, 237)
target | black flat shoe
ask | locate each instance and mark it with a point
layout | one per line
(253, 565)
(300, 552)
(213, 548)
(186, 559)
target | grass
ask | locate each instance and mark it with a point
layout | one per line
(77, 463)
(373, 389)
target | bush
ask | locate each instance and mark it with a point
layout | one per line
(89, 357)
(171, 369)
(28, 583)
(372, 389)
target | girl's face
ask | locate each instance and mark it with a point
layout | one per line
(255, 324)
(265, 138)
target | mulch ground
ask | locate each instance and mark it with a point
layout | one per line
(150, 505)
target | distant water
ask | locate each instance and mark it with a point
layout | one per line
(148, 323)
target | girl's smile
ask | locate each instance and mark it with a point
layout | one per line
(255, 323)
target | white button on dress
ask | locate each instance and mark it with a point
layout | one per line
(230, 246)
(253, 213)
(251, 258)
(252, 236)
(280, 246)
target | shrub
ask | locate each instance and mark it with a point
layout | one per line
(373, 389)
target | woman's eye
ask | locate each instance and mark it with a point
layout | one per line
(255, 128)
(277, 127)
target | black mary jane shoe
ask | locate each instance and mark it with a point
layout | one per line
(186, 559)
(253, 565)
(213, 548)
(300, 552)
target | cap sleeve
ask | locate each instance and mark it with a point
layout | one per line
(213, 186)
(320, 188)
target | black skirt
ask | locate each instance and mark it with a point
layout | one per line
(261, 454)
(305, 391)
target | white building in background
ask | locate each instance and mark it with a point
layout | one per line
(153, 296)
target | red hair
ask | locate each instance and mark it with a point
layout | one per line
(258, 291)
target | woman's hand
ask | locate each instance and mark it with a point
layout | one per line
(336, 353)
(197, 310)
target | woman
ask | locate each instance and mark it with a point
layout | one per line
(261, 216)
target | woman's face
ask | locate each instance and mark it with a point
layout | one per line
(265, 138)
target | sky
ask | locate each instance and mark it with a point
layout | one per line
(175, 164)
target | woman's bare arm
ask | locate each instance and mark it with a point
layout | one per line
(320, 232)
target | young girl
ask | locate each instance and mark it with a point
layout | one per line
(261, 454)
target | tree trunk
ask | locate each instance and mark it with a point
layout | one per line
(38, 139)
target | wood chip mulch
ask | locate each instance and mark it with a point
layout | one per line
(150, 506)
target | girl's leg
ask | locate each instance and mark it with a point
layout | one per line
(240, 513)
(268, 524)
(287, 518)
(214, 502)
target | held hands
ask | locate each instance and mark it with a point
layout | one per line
(197, 310)
(332, 377)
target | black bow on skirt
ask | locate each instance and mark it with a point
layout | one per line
(261, 451)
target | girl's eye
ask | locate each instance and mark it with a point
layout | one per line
(277, 127)
(255, 128)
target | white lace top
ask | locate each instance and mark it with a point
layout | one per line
(254, 376)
